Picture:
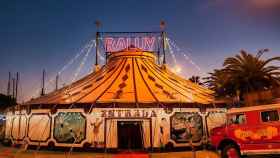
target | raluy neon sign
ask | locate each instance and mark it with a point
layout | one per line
(117, 44)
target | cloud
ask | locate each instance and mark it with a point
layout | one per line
(265, 4)
(257, 4)
(265, 8)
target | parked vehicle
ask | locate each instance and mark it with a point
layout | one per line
(249, 131)
(2, 127)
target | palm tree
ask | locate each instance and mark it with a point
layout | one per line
(196, 79)
(245, 73)
(251, 73)
(218, 81)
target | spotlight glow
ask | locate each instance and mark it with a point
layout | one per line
(177, 69)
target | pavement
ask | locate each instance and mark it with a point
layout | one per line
(12, 152)
(9, 152)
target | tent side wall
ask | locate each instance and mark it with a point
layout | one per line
(75, 128)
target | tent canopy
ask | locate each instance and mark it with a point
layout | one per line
(130, 76)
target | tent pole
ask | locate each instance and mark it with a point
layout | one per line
(97, 48)
(163, 34)
(13, 81)
(97, 37)
(163, 47)
(9, 85)
(17, 81)
(56, 82)
(43, 83)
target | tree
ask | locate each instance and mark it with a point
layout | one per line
(196, 79)
(6, 101)
(219, 82)
(245, 73)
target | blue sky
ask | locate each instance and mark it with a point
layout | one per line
(37, 34)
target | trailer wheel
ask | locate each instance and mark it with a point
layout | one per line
(230, 151)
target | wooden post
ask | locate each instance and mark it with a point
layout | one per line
(97, 37)
(162, 27)
(97, 48)
(56, 82)
(9, 85)
(43, 83)
(13, 81)
(17, 81)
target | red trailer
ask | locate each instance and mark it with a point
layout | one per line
(249, 131)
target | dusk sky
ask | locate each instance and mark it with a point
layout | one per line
(37, 34)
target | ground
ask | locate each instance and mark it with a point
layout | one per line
(18, 153)
(8, 152)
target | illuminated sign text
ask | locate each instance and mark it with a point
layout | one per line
(128, 113)
(117, 44)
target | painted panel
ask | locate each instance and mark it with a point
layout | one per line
(186, 126)
(156, 136)
(39, 127)
(15, 127)
(8, 126)
(164, 132)
(23, 127)
(69, 127)
(95, 132)
(19, 125)
(146, 133)
(111, 134)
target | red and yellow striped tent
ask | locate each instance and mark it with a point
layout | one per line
(132, 77)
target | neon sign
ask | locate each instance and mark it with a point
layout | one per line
(117, 44)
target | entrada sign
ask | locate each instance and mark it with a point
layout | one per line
(117, 44)
(129, 113)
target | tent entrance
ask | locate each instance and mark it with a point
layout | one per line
(130, 135)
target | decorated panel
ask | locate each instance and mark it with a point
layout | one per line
(69, 127)
(19, 123)
(186, 127)
(39, 127)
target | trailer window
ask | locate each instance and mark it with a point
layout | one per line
(268, 116)
(237, 119)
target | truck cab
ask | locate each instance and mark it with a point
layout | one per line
(248, 131)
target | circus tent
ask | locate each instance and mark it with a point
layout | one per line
(131, 102)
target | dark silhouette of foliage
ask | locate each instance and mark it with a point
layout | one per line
(244, 73)
(6, 101)
(196, 79)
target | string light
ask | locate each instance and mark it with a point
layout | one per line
(173, 44)
(171, 52)
(65, 67)
(177, 69)
(83, 62)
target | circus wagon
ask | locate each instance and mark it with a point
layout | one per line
(131, 102)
